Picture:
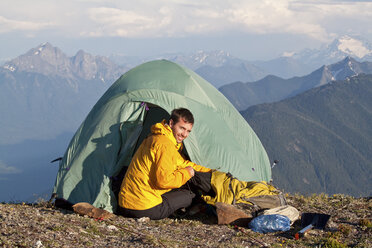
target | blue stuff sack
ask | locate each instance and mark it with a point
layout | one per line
(270, 223)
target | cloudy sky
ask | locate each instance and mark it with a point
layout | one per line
(250, 29)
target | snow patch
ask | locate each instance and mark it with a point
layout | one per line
(203, 58)
(351, 67)
(335, 73)
(353, 47)
(9, 67)
(305, 181)
(288, 54)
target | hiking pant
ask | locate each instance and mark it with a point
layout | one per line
(174, 199)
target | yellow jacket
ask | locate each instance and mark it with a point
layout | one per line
(157, 167)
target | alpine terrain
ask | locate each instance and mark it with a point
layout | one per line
(44, 92)
(273, 88)
(322, 138)
(300, 63)
(44, 96)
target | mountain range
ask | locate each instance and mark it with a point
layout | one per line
(45, 95)
(322, 138)
(344, 46)
(273, 88)
(221, 67)
(292, 64)
(217, 67)
(48, 60)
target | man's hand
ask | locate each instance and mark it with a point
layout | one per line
(191, 170)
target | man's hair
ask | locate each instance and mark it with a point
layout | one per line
(183, 113)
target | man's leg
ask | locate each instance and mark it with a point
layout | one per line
(200, 181)
(172, 201)
(177, 199)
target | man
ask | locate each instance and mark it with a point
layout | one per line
(157, 182)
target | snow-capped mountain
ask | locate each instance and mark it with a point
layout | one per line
(220, 67)
(348, 67)
(193, 60)
(196, 60)
(50, 91)
(353, 47)
(322, 136)
(48, 60)
(340, 48)
(272, 88)
(217, 67)
(292, 64)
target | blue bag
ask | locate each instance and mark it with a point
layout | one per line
(270, 223)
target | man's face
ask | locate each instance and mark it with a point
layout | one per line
(181, 129)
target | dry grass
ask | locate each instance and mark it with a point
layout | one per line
(42, 225)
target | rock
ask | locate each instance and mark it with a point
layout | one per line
(228, 214)
(112, 228)
(143, 219)
(84, 208)
(39, 244)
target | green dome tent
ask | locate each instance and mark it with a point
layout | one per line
(106, 140)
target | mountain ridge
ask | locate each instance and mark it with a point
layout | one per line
(44, 92)
(322, 137)
(48, 60)
(217, 66)
(272, 88)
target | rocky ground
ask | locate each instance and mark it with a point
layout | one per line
(42, 225)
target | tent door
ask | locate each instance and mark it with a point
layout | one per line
(133, 133)
(154, 115)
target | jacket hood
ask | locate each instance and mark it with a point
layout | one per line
(162, 128)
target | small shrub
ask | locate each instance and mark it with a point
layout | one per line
(365, 223)
(93, 229)
(333, 243)
(345, 229)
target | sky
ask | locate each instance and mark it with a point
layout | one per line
(249, 29)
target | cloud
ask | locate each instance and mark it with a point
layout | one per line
(178, 18)
(183, 18)
(270, 17)
(117, 22)
(8, 25)
(6, 169)
(273, 17)
(336, 16)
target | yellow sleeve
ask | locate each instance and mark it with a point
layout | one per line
(167, 176)
(196, 167)
(200, 168)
